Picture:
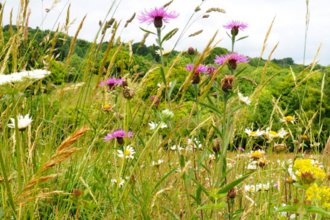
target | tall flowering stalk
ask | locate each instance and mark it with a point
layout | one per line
(157, 16)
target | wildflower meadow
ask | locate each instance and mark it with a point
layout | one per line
(117, 129)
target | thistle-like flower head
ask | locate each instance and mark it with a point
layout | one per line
(233, 59)
(157, 16)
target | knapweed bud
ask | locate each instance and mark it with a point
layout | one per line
(191, 51)
(124, 83)
(206, 16)
(307, 178)
(232, 63)
(280, 147)
(232, 193)
(158, 22)
(129, 93)
(167, 115)
(197, 9)
(227, 83)
(77, 193)
(234, 31)
(196, 79)
(216, 145)
(100, 23)
(47, 10)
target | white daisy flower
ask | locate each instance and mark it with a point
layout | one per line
(291, 119)
(250, 188)
(272, 134)
(251, 133)
(246, 100)
(166, 51)
(157, 163)
(128, 152)
(229, 165)
(22, 122)
(212, 157)
(120, 182)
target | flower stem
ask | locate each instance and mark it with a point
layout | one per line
(159, 41)
(18, 153)
(8, 187)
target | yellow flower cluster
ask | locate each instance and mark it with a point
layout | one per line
(306, 166)
(321, 195)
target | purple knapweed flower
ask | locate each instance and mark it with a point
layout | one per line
(119, 135)
(241, 149)
(152, 98)
(235, 26)
(211, 70)
(276, 185)
(157, 16)
(200, 69)
(112, 82)
(233, 61)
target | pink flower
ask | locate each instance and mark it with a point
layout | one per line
(157, 16)
(233, 61)
(241, 149)
(236, 26)
(211, 70)
(200, 69)
(119, 134)
(112, 82)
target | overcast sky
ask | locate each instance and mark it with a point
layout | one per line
(288, 29)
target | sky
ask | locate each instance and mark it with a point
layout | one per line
(288, 28)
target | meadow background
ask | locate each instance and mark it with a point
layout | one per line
(193, 152)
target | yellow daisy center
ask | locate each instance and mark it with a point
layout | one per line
(107, 107)
(127, 152)
(273, 133)
(289, 118)
(256, 154)
(253, 133)
(304, 137)
(251, 189)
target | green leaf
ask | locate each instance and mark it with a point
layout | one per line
(171, 213)
(211, 107)
(231, 185)
(317, 210)
(236, 74)
(172, 87)
(147, 31)
(242, 38)
(288, 208)
(162, 179)
(214, 206)
(168, 34)
(229, 35)
(199, 195)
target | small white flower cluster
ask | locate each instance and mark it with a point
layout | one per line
(256, 188)
(194, 143)
(17, 77)
(177, 148)
(153, 125)
(284, 214)
(246, 100)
